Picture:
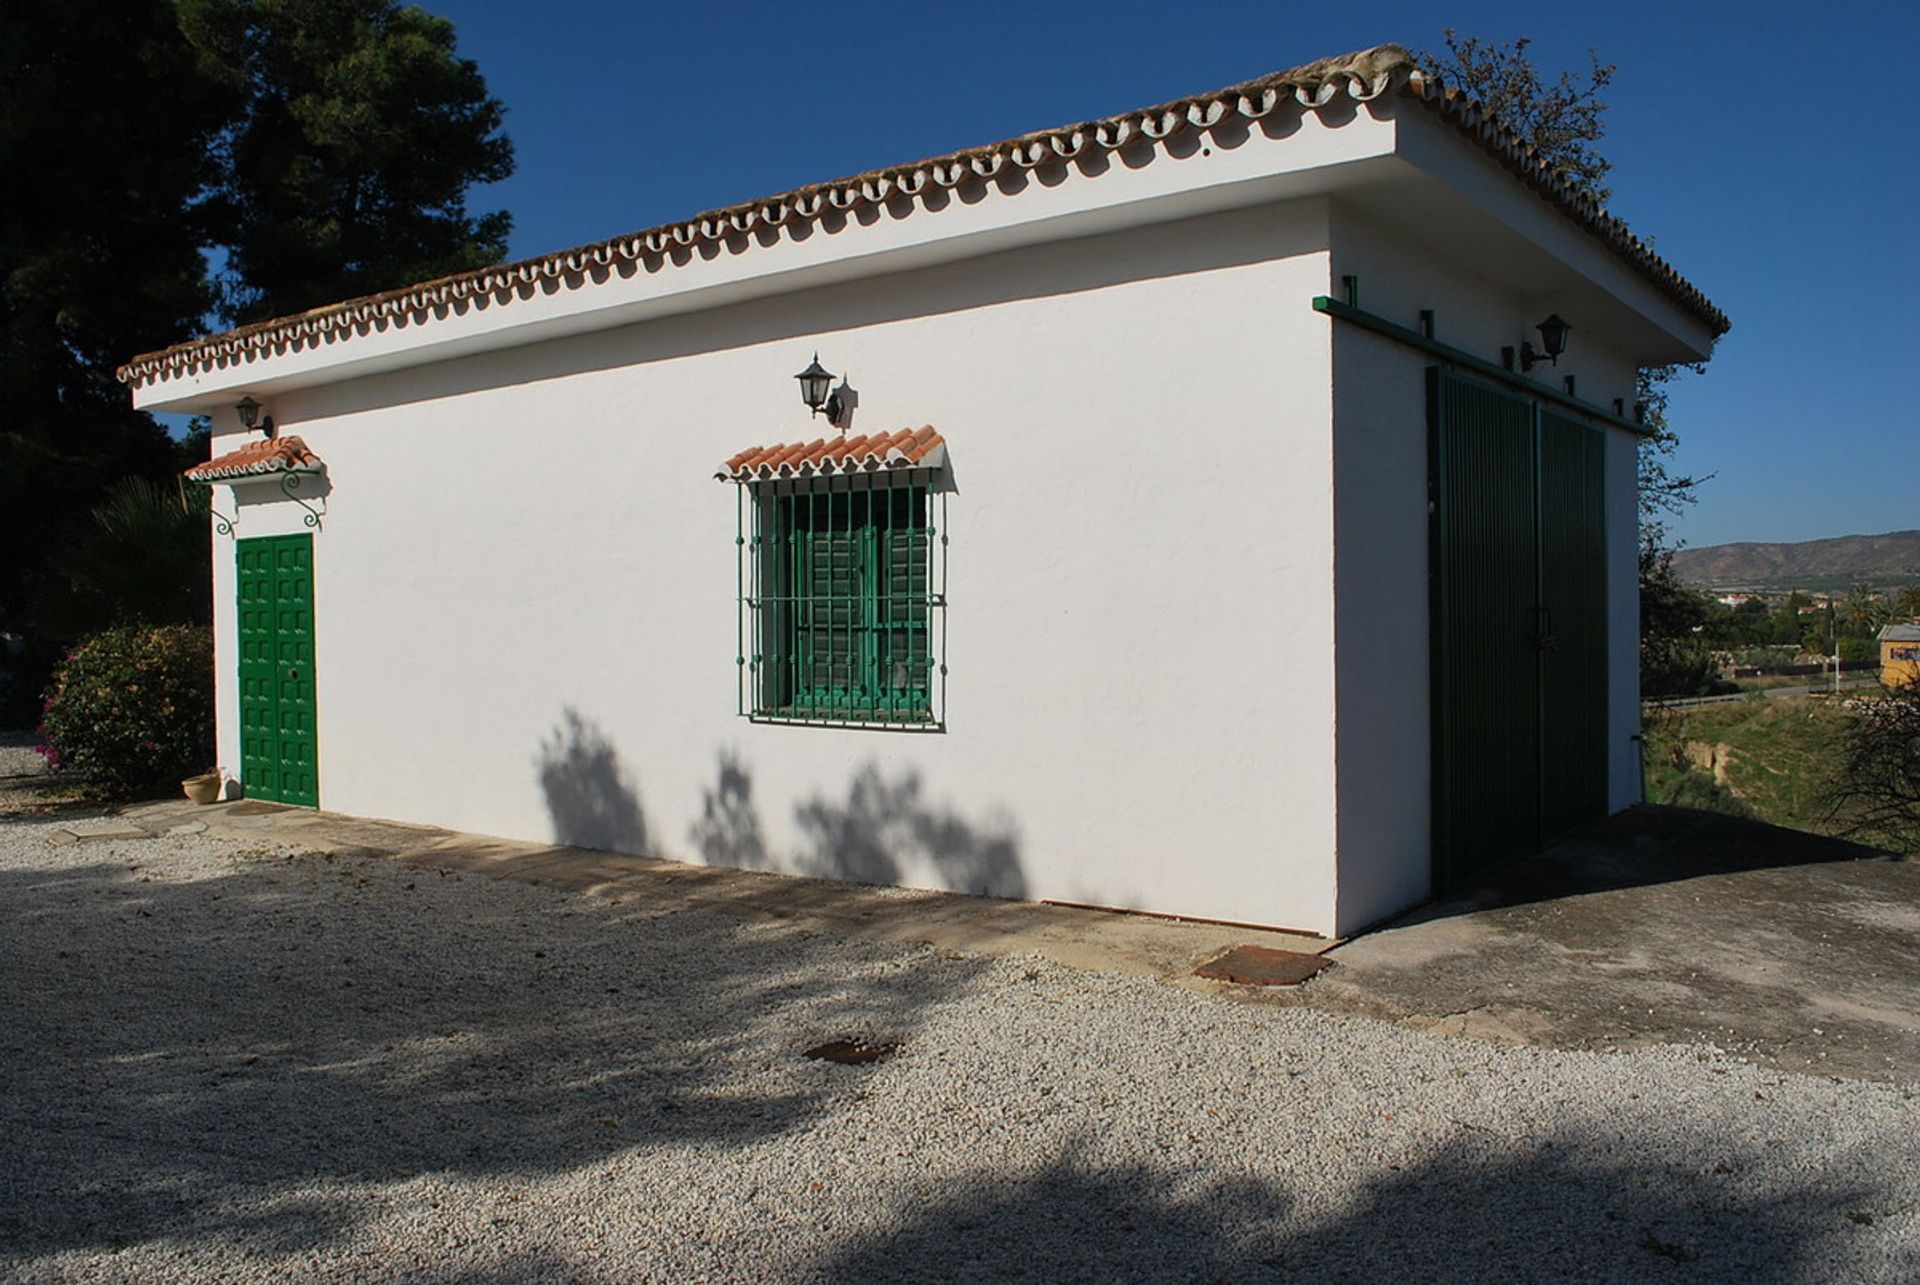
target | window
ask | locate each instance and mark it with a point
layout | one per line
(837, 600)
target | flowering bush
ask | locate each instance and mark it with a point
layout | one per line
(133, 707)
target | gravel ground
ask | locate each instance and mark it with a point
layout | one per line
(238, 1062)
(18, 758)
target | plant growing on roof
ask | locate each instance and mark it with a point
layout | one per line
(1565, 121)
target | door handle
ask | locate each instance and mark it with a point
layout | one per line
(293, 673)
(1543, 639)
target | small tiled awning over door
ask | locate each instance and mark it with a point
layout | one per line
(258, 459)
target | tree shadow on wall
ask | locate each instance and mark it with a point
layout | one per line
(591, 797)
(728, 832)
(885, 829)
(884, 832)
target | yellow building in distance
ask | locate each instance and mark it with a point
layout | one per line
(1899, 655)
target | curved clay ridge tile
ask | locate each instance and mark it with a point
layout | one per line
(258, 459)
(823, 457)
(1360, 77)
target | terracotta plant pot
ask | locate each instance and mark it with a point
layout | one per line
(204, 788)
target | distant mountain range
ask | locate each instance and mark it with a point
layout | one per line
(1890, 559)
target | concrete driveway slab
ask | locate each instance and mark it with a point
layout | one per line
(1666, 925)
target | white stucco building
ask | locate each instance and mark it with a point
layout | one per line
(1191, 545)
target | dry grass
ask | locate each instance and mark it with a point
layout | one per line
(1775, 759)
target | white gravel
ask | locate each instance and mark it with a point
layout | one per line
(224, 1062)
(19, 758)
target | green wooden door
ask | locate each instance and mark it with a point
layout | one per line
(279, 752)
(1518, 627)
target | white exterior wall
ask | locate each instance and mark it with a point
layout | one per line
(1159, 542)
(1383, 757)
(525, 586)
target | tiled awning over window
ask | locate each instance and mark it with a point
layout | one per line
(920, 448)
(258, 459)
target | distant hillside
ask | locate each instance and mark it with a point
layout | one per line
(1893, 558)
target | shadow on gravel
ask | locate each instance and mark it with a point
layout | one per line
(1469, 1214)
(187, 1059)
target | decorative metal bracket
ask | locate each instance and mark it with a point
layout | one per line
(289, 484)
(222, 524)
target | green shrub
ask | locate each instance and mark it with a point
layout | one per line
(1672, 667)
(132, 708)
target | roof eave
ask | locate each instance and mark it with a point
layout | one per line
(1353, 78)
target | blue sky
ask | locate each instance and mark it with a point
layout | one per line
(1765, 147)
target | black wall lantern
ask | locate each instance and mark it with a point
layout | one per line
(1553, 342)
(249, 412)
(818, 392)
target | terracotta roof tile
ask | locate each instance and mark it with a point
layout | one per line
(1356, 77)
(825, 456)
(258, 459)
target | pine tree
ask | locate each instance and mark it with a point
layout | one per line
(316, 149)
(107, 144)
(348, 168)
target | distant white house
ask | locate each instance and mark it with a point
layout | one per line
(1200, 531)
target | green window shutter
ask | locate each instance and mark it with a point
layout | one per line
(902, 656)
(831, 612)
(842, 605)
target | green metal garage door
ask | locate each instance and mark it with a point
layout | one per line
(1573, 591)
(1518, 619)
(279, 752)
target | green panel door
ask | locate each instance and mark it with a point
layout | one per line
(1573, 659)
(1484, 622)
(279, 751)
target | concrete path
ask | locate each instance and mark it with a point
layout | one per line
(1663, 925)
(1099, 941)
(1666, 925)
